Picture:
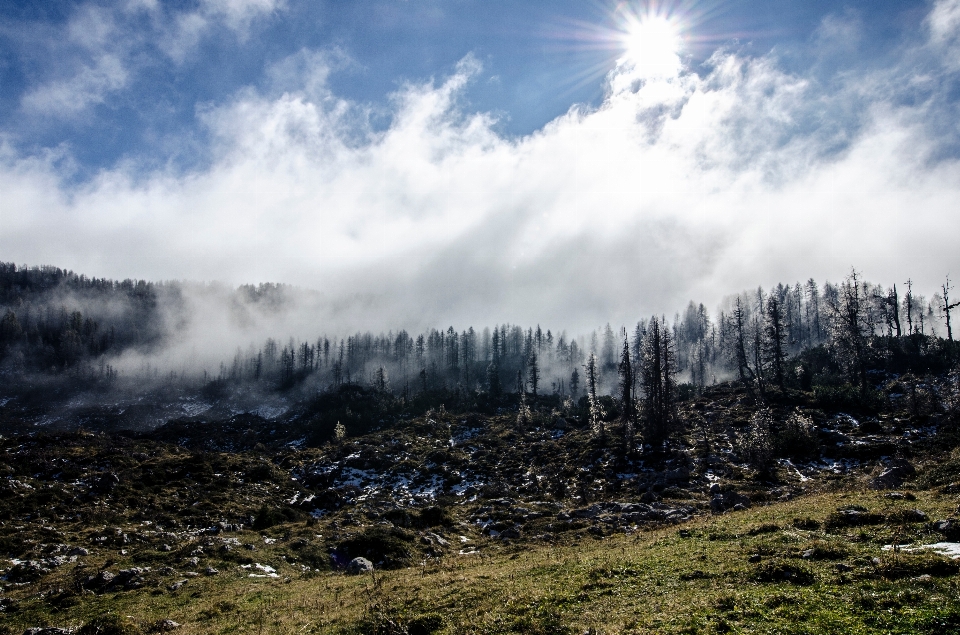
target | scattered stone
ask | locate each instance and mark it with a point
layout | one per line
(950, 528)
(897, 471)
(359, 565)
(47, 630)
(28, 571)
(78, 551)
(194, 561)
(900, 496)
(725, 501)
(164, 626)
(908, 516)
(176, 586)
(129, 579)
(210, 571)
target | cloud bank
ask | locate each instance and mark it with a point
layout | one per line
(690, 184)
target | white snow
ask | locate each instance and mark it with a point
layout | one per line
(949, 549)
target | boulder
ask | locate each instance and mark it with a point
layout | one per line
(950, 528)
(725, 501)
(896, 472)
(359, 565)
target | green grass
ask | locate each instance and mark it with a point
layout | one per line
(699, 581)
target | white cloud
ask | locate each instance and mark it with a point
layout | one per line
(89, 86)
(100, 49)
(682, 186)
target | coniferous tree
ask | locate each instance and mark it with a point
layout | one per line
(850, 328)
(596, 418)
(534, 372)
(657, 370)
(574, 383)
(625, 371)
(776, 340)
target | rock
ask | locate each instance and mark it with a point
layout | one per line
(587, 512)
(129, 578)
(809, 553)
(27, 571)
(510, 533)
(78, 551)
(897, 471)
(725, 501)
(176, 586)
(754, 558)
(165, 625)
(900, 496)
(649, 496)
(107, 483)
(950, 528)
(194, 561)
(47, 630)
(210, 571)
(714, 488)
(440, 540)
(166, 548)
(104, 577)
(359, 565)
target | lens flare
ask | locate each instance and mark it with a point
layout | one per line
(652, 45)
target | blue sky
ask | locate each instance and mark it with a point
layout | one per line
(483, 160)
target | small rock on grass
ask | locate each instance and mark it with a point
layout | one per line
(359, 565)
(165, 625)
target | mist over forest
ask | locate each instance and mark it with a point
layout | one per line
(192, 348)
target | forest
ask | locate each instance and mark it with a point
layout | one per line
(66, 330)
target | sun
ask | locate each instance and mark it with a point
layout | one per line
(653, 45)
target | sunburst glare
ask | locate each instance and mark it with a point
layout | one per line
(652, 45)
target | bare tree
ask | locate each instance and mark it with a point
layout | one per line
(946, 306)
